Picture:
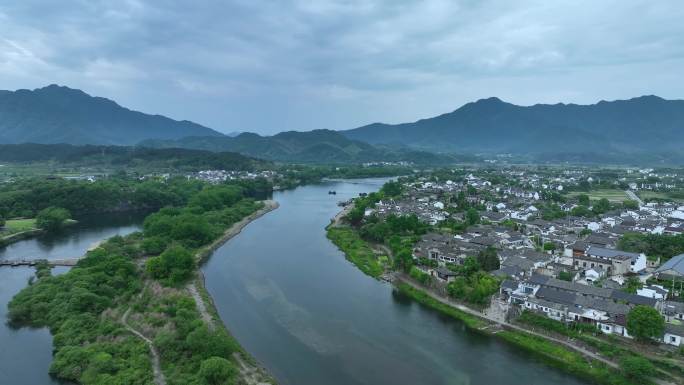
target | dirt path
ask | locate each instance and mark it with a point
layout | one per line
(201, 306)
(235, 229)
(156, 366)
(337, 220)
(250, 374)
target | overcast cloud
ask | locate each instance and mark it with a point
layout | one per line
(269, 66)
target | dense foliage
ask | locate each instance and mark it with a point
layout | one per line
(129, 158)
(52, 218)
(71, 306)
(26, 197)
(174, 266)
(637, 368)
(475, 288)
(645, 323)
(83, 308)
(653, 245)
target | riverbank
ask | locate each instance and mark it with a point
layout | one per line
(235, 229)
(25, 229)
(130, 298)
(557, 353)
(16, 237)
(250, 371)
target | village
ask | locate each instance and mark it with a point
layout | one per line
(559, 251)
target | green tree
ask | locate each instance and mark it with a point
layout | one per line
(419, 275)
(633, 284)
(488, 259)
(583, 199)
(52, 218)
(470, 266)
(173, 266)
(549, 246)
(565, 276)
(216, 371)
(2, 221)
(630, 204)
(601, 206)
(581, 211)
(392, 189)
(645, 323)
(637, 368)
(403, 260)
(472, 216)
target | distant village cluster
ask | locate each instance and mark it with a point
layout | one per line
(554, 260)
(221, 176)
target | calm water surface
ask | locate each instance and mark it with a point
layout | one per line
(312, 318)
(26, 354)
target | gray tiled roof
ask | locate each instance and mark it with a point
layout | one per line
(674, 329)
(675, 264)
(611, 253)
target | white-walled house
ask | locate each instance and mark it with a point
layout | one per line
(653, 291)
(674, 334)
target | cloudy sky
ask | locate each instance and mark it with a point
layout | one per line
(269, 66)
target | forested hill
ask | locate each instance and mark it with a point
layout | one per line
(643, 124)
(318, 146)
(55, 114)
(120, 156)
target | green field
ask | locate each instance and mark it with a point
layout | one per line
(615, 196)
(19, 225)
(645, 194)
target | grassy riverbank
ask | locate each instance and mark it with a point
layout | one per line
(18, 229)
(108, 311)
(356, 250)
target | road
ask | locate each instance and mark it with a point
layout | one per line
(634, 197)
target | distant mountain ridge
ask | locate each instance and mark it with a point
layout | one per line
(644, 129)
(126, 156)
(57, 114)
(317, 146)
(643, 124)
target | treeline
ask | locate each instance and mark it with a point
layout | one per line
(128, 157)
(84, 308)
(27, 197)
(663, 246)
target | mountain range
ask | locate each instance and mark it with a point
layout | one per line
(317, 146)
(647, 127)
(55, 114)
(642, 124)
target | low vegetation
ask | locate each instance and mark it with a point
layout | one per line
(356, 250)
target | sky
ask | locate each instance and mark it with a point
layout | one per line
(271, 66)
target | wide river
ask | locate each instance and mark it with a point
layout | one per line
(25, 354)
(311, 318)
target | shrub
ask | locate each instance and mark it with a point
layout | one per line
(52, 218)
(173, 267)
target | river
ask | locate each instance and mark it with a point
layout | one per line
(26, 354)
(310, 317)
